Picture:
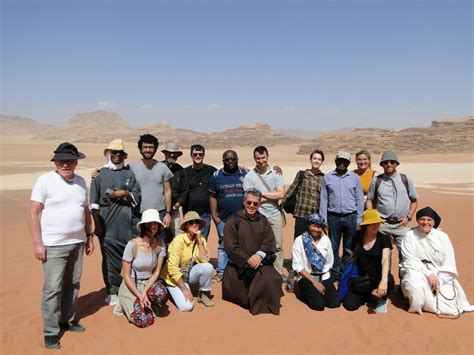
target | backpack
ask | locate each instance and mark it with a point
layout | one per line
(290, 202)
(378, 181)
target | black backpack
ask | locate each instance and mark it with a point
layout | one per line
(290, 202)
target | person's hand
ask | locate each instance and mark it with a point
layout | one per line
(176, 206)
(278, 170)
(117, 194)
(187, 294)
(319, 286)
(144, 301)
(89, 246)
(167, 220)
(434, 283)
(402, 222)
(40, 252)
(95, 174)
(216, 220)
(381, 291)
(254, 261)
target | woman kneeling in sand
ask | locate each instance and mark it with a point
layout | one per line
(188, 263)
(312, 260)
(428, 270)
(372, 258)
(141, 296)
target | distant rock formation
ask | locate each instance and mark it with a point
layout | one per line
(444, 136)
(16, 126)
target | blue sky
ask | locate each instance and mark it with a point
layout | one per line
(212, 65)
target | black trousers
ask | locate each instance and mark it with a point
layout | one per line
(353, 301)
(314, 299)
(112, 254)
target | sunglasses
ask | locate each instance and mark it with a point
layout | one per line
(194, 221)
(198, 154)
(116, 152)
(252, 203)
(393, 162)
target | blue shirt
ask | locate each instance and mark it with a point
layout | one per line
(229, 190)
(341, 194)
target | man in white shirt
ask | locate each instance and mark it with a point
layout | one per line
(60, 225)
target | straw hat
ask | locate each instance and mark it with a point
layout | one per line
(172, 147)
(192, 216)
(150, 215)
(116, 144)
(371, 217)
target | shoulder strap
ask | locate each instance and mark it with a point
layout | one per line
(263, 181)
(405, 182)
(300, 178)
(134, 248)
(378, 181)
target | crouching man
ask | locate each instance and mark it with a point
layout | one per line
(250, 280)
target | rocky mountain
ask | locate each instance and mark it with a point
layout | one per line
(15, 126)
(443, 136)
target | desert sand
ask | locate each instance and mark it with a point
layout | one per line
(445, 182)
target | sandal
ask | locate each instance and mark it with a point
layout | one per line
(216, 278)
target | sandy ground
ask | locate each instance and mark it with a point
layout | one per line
(227, 328)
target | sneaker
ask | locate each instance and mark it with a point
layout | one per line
(72, 327)
(118, 310)
(381, 306)
(111, 300)
(205, 300)
(52, 342)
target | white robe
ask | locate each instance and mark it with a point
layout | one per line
(436, 248)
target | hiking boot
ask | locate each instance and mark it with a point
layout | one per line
(52, 342)
(72, 327)
(205, 300)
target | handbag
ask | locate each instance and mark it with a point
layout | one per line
(289, 203)
(360, 285)
(185, 269)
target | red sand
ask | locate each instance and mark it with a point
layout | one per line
(227, 328)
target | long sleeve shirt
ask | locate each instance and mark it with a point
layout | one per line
(341, 194)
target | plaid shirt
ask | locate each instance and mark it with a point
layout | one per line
(307, 200)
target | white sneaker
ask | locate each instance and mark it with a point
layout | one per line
(111, 300)
(118, 310)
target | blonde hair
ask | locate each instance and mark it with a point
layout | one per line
(367, 153)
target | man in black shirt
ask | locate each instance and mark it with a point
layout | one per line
(199, 175)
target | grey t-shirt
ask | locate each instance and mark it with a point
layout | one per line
(151, 183)
(144, 263)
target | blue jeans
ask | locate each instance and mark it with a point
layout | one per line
(207, 227)
(345, 228)
(222, 257)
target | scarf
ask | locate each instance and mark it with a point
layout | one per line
(316, 259)
(111, 166)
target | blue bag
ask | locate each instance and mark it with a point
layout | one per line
(350, 272)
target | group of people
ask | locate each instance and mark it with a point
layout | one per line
(152, 219)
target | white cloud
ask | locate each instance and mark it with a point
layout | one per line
(108, 104)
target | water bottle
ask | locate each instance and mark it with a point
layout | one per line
(290, 281)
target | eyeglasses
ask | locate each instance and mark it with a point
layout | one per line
(194, 221)
(198, 154)
(117, 152)
(252, 203)
(393, 162)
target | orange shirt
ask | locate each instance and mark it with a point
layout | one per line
(366, 179)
